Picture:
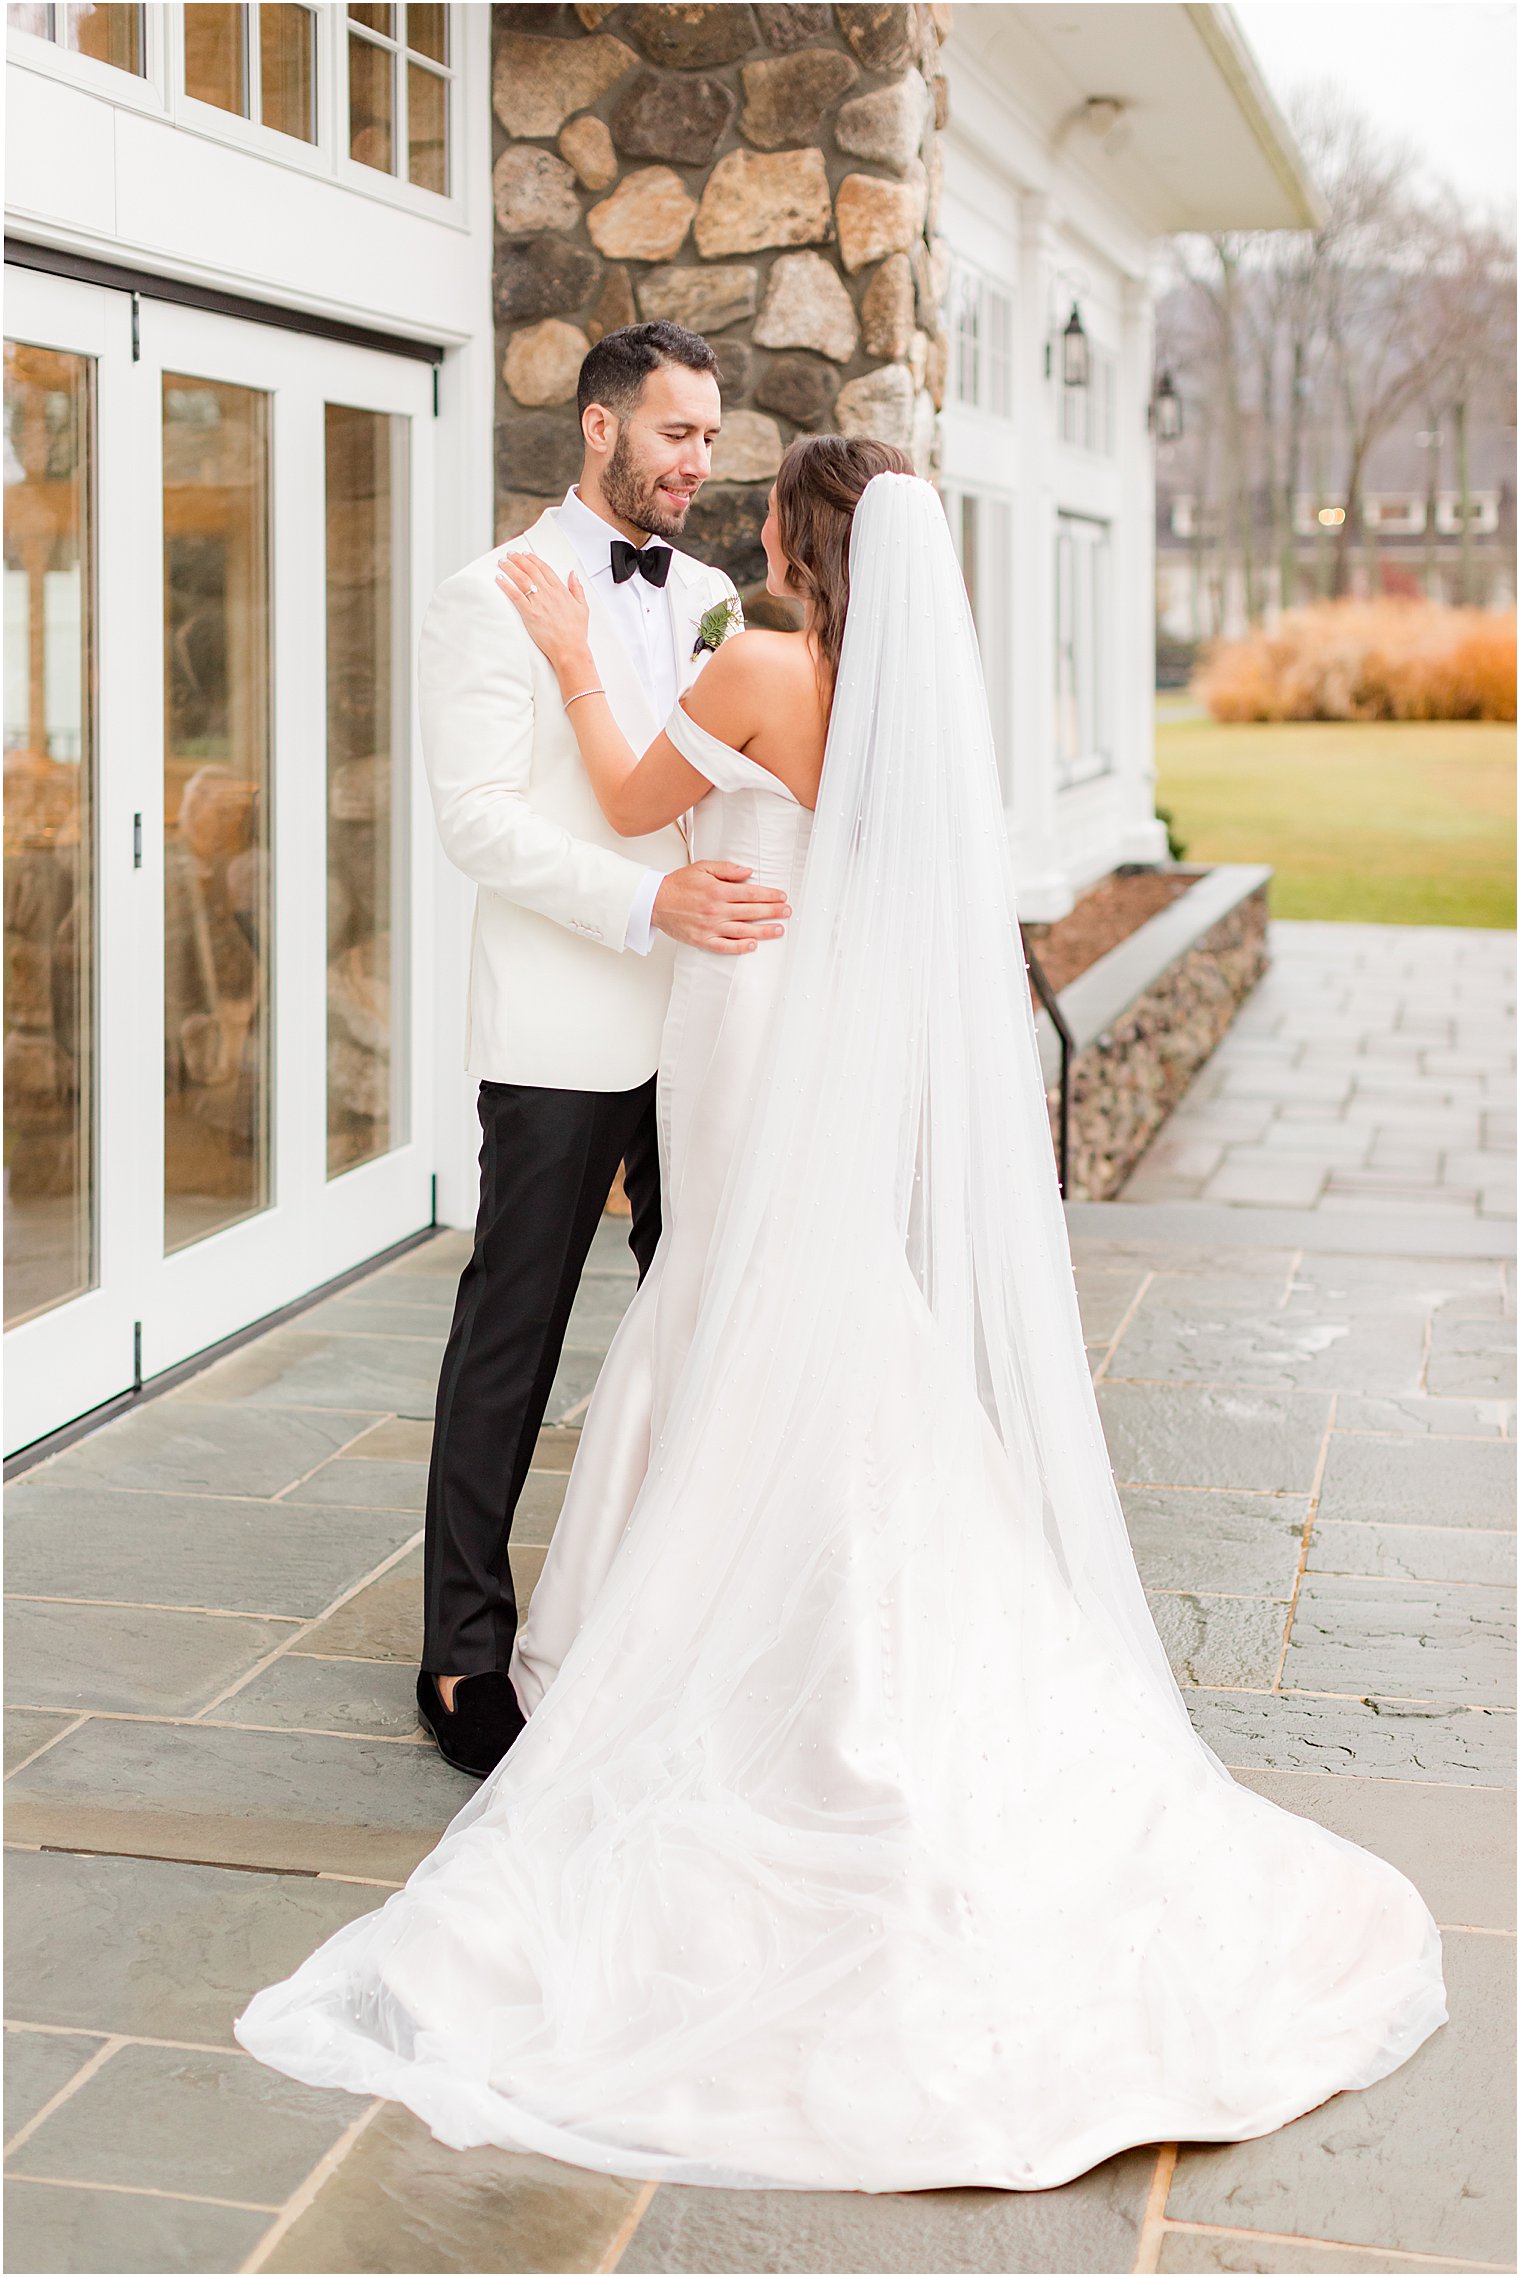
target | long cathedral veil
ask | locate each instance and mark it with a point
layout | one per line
(861, 1837)
(903, 1110)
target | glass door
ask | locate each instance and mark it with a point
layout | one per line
(72, 711)
(216, 852)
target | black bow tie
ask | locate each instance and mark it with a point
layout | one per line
(652, 562)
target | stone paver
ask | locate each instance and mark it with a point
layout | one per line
(53, 2227)
(1357, 2169)
(244, 1557)
(196, 2121)
(215, 1762)
(1372, 1069)
(402, 2202)
(1093, 2223)
(203, 1938)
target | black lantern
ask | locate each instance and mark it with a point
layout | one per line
(1074, 351)
(1166, 411)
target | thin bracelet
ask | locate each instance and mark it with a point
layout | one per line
(575, 699)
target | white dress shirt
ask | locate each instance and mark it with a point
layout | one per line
(640, 612)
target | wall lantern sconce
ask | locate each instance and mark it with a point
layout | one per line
(1166, 411)
(1074, 362)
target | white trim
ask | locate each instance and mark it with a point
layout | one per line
(192, 116)
(371, 181)
(161, 94)
(145, 91)
(312, 1227)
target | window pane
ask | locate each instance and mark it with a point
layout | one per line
(371, 104)
(378, 19)
(216, 807)
(427, 32)
(365, 786)
(969, 563)
(216, 57)
(34, 19)
(49, 832)
(111, 34)
(287, 70)
(427, 114)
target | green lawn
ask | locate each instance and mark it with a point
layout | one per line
(1404, 823)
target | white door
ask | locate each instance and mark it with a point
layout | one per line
(216, 853)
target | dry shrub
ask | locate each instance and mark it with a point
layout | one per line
(1382, 659)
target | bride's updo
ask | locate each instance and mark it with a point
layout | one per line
(818, 487)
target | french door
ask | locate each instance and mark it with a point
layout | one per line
(217, 929)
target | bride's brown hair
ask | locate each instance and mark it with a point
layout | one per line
(818, 487)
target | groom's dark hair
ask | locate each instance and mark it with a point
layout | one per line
(614, 372)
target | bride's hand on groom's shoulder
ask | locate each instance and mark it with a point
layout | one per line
(555, 614)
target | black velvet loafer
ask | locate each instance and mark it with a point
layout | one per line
(476, 1732)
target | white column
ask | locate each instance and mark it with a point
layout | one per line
(1141, 837)
(1040, 881)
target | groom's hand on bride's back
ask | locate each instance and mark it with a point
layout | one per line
(711, 905)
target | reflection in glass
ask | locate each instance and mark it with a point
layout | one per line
(111, 34)
(968, 548)
(379, 19)
(365, 786)
(216, 807)
(427, 32)
(371, 103)
(216, 56)
(427, 129)
(287, 70)
(49, 832)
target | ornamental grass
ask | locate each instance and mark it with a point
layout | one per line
(1389, 658)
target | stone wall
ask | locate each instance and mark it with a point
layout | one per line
(768, 176)
(1126, 1082)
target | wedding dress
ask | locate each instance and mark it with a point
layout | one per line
(858, 1837)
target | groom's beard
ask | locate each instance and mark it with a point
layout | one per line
(634, 496)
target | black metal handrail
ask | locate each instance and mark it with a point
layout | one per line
(1052, 1004)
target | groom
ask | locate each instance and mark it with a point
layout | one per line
(570, 968)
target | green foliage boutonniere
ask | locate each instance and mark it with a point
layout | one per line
(716, 623)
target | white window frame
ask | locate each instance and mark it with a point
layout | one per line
(987, 342)
(990, 588)
(1483, 515)
(160, 93)
(77, 1354)
(395, 189)
(1394, 513)
(1082, 618)
(146, 91)
(250, 134)
(1085, 415)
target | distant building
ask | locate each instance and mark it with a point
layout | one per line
(294, 298)
(1412, 523)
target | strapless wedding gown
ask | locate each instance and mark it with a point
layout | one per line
(926, 1896)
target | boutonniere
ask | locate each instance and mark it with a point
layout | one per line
(715, 624)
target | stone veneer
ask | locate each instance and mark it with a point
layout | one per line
(768, 176)
(1126, 1079)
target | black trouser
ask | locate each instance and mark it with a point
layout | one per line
(547, 1160)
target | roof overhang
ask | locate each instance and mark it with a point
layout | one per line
(1203, 145)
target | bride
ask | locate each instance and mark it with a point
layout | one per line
(858, 1837)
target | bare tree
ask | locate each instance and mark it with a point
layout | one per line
(1211, 266)
(1388, 333)
(1471, 295)
(1305, 348)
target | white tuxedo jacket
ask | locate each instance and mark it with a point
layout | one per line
(555, 998)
